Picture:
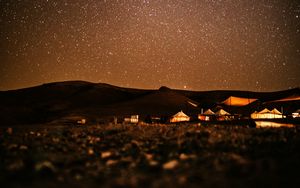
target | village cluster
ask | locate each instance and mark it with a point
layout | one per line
(220, 115)
(262, 118)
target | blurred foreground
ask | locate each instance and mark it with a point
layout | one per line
(149, 156)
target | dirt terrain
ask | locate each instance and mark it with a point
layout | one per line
(185, 155)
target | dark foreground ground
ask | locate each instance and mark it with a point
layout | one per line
(150, 156)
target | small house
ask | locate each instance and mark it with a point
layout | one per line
(81, 121)
(132, 119)
(179, 117)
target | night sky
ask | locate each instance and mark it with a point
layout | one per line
(192, 44)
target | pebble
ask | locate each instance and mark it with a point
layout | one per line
(170, 165)
(111, 162)
(106, 154)
(90, 151)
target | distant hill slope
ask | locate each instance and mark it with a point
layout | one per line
(53, 101)
(221, 95)
(159, 102)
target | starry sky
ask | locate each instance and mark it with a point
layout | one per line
(184, 44)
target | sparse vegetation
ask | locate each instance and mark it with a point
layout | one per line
(149, 156)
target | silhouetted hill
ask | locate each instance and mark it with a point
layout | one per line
(158, 102)
(54, 101)
(221, 95)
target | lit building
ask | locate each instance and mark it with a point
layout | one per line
(238, 101)
(132, 119)
(222, 115)
(207, 115)
(267, 114)
(179, 117)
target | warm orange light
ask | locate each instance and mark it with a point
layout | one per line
(238, 101)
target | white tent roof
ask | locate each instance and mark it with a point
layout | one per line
(180, 114)
(275, 111)
(265, 111)
(209, 112)
(222, 112)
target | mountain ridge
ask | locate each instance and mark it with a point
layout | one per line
(52, 101)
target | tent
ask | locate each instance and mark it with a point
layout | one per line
(275, 111)
(223, 115)
(264, 111)
(267, 114)
(207, 115)
(209, 112)
(238, 101)
(222, 112)
(179, 117)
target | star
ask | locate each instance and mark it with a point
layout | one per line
(200, 45)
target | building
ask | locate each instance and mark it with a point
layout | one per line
(267, 114)
(179, 117)
(296, 114)
(81, 121)
(132, 119)
(208, 115)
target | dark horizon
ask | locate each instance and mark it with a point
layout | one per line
(126, 87)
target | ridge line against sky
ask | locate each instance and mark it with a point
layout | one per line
(195, 45)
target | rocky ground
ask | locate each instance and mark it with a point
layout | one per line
(186, 155)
